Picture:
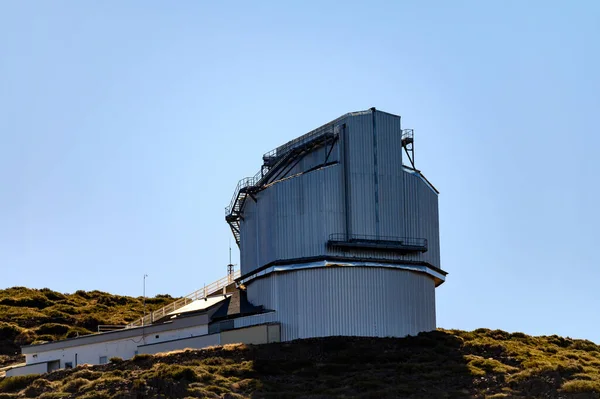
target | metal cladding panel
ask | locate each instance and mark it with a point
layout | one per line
(351, 301)
(421, 218)
(253, 320)
(390, 174)
(292, 218)
(249, 238)
(325, 154)
(360, 164)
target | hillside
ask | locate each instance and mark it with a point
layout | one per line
(30, 315)
(439, 364)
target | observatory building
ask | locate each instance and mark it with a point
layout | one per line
(339, 236)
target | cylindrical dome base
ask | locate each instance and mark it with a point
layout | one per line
(349, 301)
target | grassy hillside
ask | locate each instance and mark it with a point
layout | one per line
(29, 315)
(440, 364)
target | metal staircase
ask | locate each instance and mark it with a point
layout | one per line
(216, 288)
(274, 165)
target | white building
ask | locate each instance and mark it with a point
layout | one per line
(197, 326)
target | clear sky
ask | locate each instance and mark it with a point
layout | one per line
(125, 126)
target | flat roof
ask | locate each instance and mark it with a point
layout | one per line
(117, 334)
(199, 304)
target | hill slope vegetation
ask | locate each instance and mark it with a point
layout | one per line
(31, 316)
(439, 364)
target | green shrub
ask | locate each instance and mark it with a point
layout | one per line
(82, 294)
(141, 357)
(26, 337)
(581, 386)
(52, 295)
(16, 383)
(116, 360)
(73, 386)
(54, 395)
(52, 328)
(87, 374)
(37, 387)
(9, 331)
(34, 301)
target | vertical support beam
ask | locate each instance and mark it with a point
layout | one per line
(346, 172)
(376, 172)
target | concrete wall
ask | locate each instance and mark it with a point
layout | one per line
(193, 343)
(250, 335)
(37, 368)
(127, 348)
(124, 348)
(261, 334)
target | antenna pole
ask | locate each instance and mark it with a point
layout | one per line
(144, 298)
(230, 265)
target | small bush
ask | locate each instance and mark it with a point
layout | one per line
(37, 387)
(82, 294)
(116, 360)
(16, 383)
(54, 395)
(52, 328)
(87, 374)
(52, 295)
(581, 386)
(74, 385)
(26, 337)
(142, 357)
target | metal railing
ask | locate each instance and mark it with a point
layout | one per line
(385, 240)
(408, 135)
(110, 327)
(305, 138)
(276, 154)
(245, 182)
(202, 293)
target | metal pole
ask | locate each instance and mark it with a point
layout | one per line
(144, 299)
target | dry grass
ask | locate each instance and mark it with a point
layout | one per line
(440, 364)
(30, 316)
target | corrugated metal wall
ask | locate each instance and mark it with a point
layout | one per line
(294, 218)
(390, 175)
(253, 320)
(421, 218)
(360, 164)
(313, 159)
(360, 301)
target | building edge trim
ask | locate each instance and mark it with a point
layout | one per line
(438, 275)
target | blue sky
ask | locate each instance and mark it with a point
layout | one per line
(125, 126)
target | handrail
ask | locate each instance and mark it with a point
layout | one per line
(198, 294)
(245, 182)
(276, 153)
(343, 237)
